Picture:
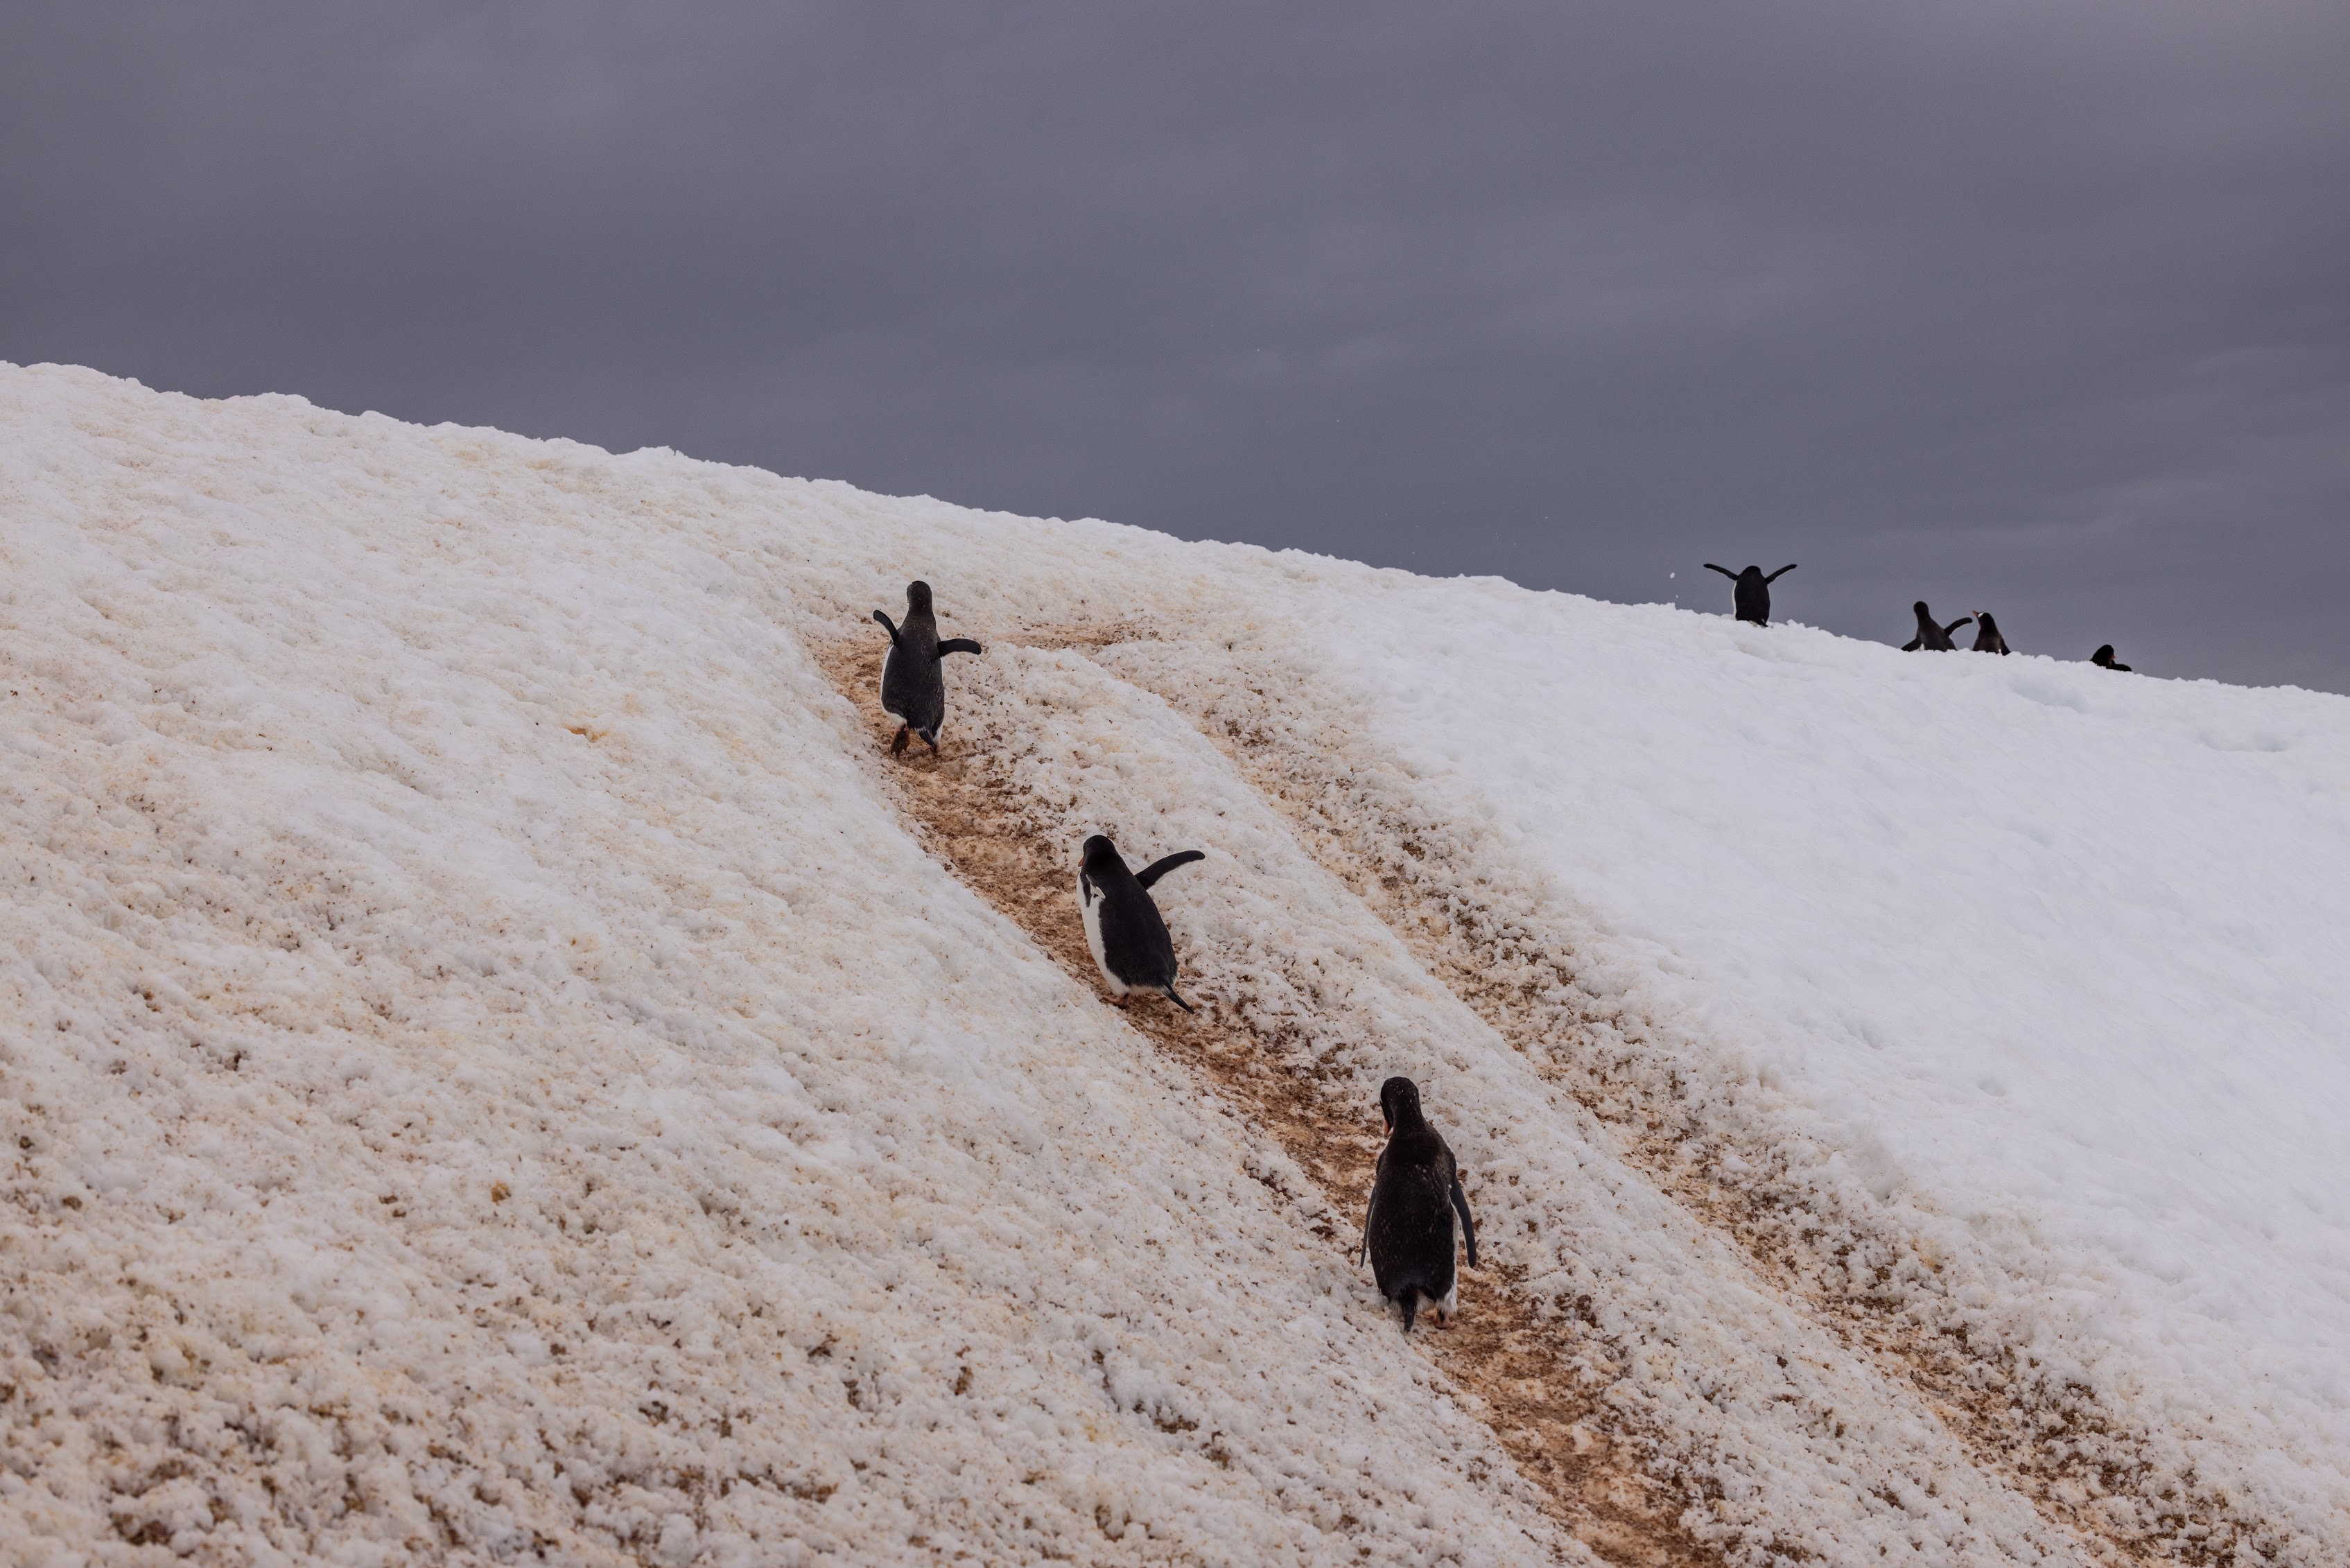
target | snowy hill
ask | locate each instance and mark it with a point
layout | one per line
(497, 1064)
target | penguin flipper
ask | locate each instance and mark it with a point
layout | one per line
(1956, 624)
(887, 625)
(958, 645)
(1780, 573)
(1468, 1226)
(1168, 991)
(1157, 868)
(1911, 646)
(1725, 571)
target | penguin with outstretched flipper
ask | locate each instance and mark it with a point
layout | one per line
(2104, 658)
(1416, 1196)
(1123, 927)
(1752, 596)
(913, 687)
(1933, 638)
(1987, 635)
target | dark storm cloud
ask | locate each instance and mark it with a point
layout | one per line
(2041, 308)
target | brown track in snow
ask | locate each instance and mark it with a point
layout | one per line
(1523, 1371)
(2057, 1446)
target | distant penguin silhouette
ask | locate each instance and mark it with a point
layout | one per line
(2104, 658)
(1987, 636)
(1123, 927)
(1751, 596)
(913, 687)
(1932, 637)
(1408, 1231)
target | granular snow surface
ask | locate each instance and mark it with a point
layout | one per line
(490, 1072)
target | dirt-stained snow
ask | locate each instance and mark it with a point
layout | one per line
(496, 1066)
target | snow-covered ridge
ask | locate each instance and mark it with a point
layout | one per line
(493, 1073)
(487, 1066)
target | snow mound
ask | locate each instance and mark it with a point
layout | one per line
(493, 1069)
(485, 1068)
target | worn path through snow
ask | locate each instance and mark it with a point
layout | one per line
(1634, 1365)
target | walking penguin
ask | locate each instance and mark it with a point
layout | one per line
(1987, 636)
(2104, 658)
(1932, 637)
(1751, 596)
(1123, 927)
(1408, 1230)
(913, 687)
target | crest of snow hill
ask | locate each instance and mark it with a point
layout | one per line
(499, 1062)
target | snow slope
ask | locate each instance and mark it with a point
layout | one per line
(490, 1069)
(486, 1068)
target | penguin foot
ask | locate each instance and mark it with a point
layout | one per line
(899, 744)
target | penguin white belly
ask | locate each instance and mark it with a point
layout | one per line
(1090, 909)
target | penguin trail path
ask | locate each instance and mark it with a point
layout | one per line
(1529, 1376)
(1635, 1366)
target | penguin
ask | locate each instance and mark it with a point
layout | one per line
(913, 687)
(2104, 658)
(1751, 596)
(1408, 1231)
(1931, 638)
(1128, 940)
(1987, 636)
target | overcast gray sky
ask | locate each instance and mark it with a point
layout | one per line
(2041, 307)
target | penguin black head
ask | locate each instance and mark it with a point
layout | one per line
(918, 598)
(1399, 1104)
(1923, 613)
(1099, 851)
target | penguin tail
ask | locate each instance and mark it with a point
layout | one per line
(1409, 1301)
(899, 744)
(1168, 990)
